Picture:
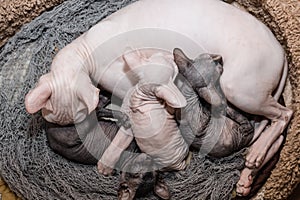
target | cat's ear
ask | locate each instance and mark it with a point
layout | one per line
(181, 60)
(217, 58)
(171, 94)
(39, 97)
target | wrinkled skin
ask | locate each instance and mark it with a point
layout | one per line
(154, 126)
(150, 107)
(199, 120)
(254, 74)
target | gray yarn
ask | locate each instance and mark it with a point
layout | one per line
(29, 166)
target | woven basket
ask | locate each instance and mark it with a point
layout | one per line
(281, 16)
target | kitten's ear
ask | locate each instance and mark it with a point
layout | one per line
(217, 58)
(38, 98)
(171, 95)
(180, 58)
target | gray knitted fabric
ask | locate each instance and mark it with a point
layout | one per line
(29, 166)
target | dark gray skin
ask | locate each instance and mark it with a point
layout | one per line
(77, 142)
(205, 101)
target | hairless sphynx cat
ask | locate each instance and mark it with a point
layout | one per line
(216, 132)
(255, 67)
(150, 106)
